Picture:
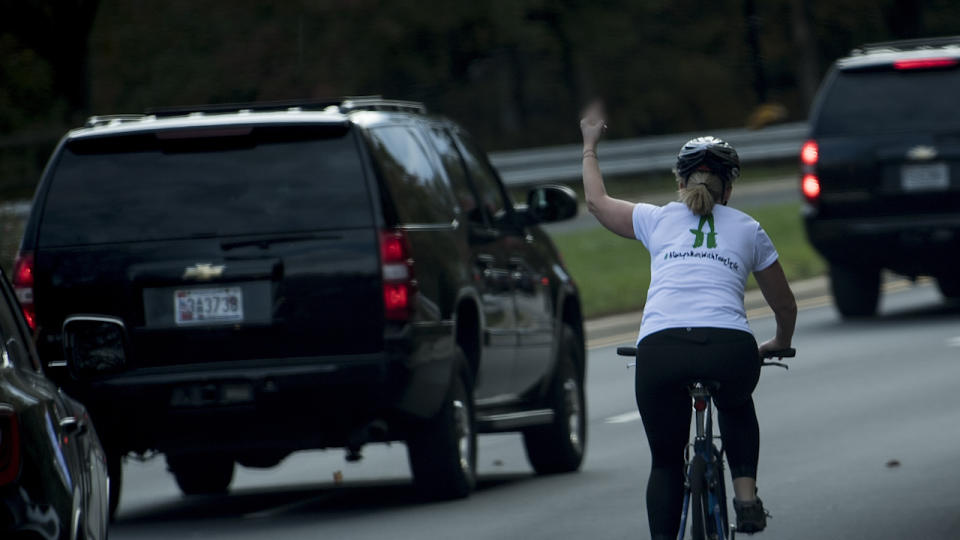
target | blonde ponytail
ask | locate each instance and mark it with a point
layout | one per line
(701, 193)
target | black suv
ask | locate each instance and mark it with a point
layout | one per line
(305, 275)
(881, 171)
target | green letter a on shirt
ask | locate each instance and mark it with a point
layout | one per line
(698, 233)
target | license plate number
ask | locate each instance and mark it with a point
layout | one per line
(206, 306)
(206, 395)
(925, 177)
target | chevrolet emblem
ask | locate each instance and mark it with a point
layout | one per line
(922, 153)
(203, 271)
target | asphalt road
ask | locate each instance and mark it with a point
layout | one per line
(859, 440)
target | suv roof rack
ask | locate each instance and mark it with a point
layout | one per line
(104, 119)
(906, 45)
(344, 105)
(377, 103)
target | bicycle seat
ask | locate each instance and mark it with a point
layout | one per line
(702, 390)
(707, 384)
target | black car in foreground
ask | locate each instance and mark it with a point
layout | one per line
(881, 171)
(305, 275)
(53, 471)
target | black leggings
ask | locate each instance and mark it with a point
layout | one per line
(666, 362)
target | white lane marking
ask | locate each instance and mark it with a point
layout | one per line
(624, 418)
(288, 507)
(953, 342)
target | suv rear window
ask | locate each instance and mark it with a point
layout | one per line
(205, 183)
(862, 102)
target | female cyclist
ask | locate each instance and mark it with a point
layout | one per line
(694, 322)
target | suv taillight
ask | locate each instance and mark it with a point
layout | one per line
(925, 63)
(23, 286)
(399, 285)
(9, 445)
(810, 183)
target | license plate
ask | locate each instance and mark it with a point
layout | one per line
(212, 394)
(206, 306)
(925, 177)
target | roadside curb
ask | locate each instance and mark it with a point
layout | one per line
(810, 293)
(615, 327)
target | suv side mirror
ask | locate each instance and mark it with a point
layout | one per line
(550, 203)
(94, 345)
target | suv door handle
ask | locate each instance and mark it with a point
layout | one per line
(485, 264)
(71, 425)
(517, 269)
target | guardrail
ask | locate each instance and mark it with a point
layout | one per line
(520, 168)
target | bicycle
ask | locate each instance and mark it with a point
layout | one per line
(704, 490)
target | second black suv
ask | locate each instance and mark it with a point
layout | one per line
(881, 171)
(295, 276)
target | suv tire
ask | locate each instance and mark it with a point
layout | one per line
(443, 450)
(199, 474)
(949, 286)
(559, 447)
(855, 290)
(114, 478)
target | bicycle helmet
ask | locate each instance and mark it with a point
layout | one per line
(711, 154)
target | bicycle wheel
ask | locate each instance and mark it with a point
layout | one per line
(721, 491)
(703, 525)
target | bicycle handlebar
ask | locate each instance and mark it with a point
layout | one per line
(781, 353)
(789, 352)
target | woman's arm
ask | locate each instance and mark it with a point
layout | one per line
(614, 214)
(776, 291)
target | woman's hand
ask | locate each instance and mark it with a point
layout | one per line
(592, 125)
(614, 214)
(772, 345)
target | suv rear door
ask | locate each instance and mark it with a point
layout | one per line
(215, 244)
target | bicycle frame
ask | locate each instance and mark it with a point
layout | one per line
(704, 448)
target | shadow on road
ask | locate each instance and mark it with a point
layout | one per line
(349, 498)
(940, 311)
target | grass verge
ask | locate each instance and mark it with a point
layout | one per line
(613, 273)
(635, 187)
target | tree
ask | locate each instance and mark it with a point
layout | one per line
(59, 32)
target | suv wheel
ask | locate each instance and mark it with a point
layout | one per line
(949, 286)
(559, 446)
(114, 478)
(198, 474)
(855, 290)
(443, 450)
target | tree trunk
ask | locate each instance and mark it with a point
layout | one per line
(753, 45)
(808, 68)
(905, 18)
(60, 33)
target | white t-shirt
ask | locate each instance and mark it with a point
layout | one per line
(699, 265)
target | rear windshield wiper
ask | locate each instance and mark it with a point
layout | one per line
(264, 243)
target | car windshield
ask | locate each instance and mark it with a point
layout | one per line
(862, 102)
(203, 184)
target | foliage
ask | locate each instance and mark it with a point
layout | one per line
(514, 72)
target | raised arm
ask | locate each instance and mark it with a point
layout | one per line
(776, 291)
(614, 214)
